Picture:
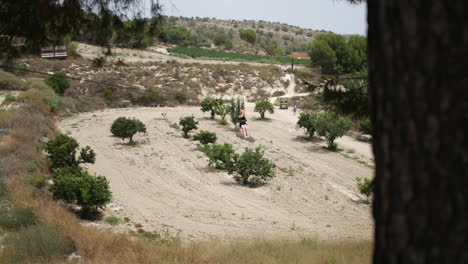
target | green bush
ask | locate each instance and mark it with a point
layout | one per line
(127, 127)
(76, 186)
(235, 106)
(38, 242)
(221, 157)
(365, 187)
(223, 110)
(150, 98)
(188, 123)
(73, 49)
(16, 218)
(253, 169)
(58, 82)
(331, 126)
(306, 121)
(61, 152)
(262, 107)
(205, 137)
(210, 104)
(9, 98)
(365, 126)
(248, 35)
(48, 94)
(112, 220)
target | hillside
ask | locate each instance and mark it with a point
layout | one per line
(290, 39)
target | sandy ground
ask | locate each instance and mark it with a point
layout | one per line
(164, 182)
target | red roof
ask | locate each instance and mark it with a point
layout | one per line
(299, 56)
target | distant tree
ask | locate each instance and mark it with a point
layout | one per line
(188, 123)
(252, 168)
(365, 187)
(127, 127)
(263, 106)
(61, 152)
(323, 55)
(76, 186)
(223, 110)
(306, 121)
(248, 35)
(331, 126)
(209, 104)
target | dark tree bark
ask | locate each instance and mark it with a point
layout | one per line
(418, 70)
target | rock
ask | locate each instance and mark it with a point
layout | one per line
(75, 258)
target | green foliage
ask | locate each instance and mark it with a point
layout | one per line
(222, 39)
(263, 106)
(365, 187)
(176, 35)
(150, 98)
(253, 169)
(61, 152)
(221, 157)
(58, 82)
(365, 126)
(248, 35)
(347, 95)
(205, 137)
(76, 186)
(331, 126)
(196, 52)
(337, 55)
(235, 106)
(112, 220)
(16, 218)
(72, 49)
(322, 54)
(127, 127)
(306, 121)
(209, 104)
(38, 242)
(9, 98)
(47, 93)
(223, 110)
(188, 123)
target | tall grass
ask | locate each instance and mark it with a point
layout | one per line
(195, 52)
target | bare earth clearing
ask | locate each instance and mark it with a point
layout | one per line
(164, 182)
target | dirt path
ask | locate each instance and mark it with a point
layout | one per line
(164, 183)
(151, 54)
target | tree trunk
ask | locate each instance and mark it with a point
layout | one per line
(418, 70)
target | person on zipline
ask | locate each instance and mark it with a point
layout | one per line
(243, 124)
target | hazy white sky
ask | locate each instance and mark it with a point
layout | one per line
(334, 15)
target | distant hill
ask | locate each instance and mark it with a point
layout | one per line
(273, 38)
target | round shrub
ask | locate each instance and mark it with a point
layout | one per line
(127, 127)
(205, 137)
(306, 121)
(332, 126)
(253, 169)
(262, 107)
(221, 157)
(76, 186)
(61, 152)
(58, 82)
(365, 126)
(188, 123)
(210, 104)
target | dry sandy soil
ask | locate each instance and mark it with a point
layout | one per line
(164, 182)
